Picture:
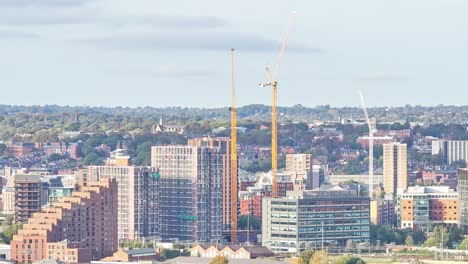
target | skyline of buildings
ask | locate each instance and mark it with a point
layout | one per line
(184, 197)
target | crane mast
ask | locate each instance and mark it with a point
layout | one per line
(233, 156)
(371, 147)
(272, 82)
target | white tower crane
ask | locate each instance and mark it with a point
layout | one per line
(372, 130)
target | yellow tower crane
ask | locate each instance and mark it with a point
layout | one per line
(272, 81)
(233, 156)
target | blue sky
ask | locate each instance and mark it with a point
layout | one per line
(163, 53)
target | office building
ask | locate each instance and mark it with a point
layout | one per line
(137, 198)
(395, 167)
(463, 199)
(420, 207)
(28, 189)
(223, 144)
(301, 167)
(451, 150)
(77, 229)
(328, 216)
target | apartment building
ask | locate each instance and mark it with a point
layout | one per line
(189, 190)
(223, 144)
(137, 198)
(301, 167)
(28, 189)
(76, 229)
(452, 150)
(329, 216)
(463, 199)
(382, 212)
(395, 167)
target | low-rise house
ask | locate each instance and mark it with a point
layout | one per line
(230, 251)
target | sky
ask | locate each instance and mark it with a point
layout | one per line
(177, 53)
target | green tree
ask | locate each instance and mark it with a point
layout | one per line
(438, 233)
(455, 234)
(2, 148)
(350, 260)
(458, 164)
(319, 257)
(8, 220)
(248, 221)
(219, 260)
(306, 255)
(409, 241)
(464, 244)
(92, 159)
(9, 232)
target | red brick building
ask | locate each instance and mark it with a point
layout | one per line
(76, 229)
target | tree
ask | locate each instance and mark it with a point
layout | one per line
(248, 221)
(306, 255)
(8, 220)
(92, 159)
(319, 257)
(409, 241)
(219, 260)
(2, 149)
(438, 233)
(455, 234)
(9, 232)
(458, 164)
(350, 260)
(464, 244)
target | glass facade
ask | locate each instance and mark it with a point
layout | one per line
(314, 219)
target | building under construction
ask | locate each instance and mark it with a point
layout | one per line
(189, 190)
(223, 144)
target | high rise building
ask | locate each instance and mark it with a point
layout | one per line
(137, 198)
(382, 212)
(421, 206)
(224, 146)
(451, 150)
(27, 196)
(463, 199)
(395, 167)
(8, 200)
(301, 165)
(75, 229)
(189, 189)
(314, 219)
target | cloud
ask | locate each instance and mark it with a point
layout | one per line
(17, 35)
(167, 71)
(99, 15)
(41, 3)
(201, 41)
